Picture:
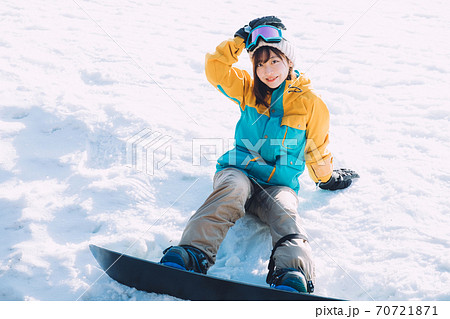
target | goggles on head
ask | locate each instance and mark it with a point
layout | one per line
(266, 32)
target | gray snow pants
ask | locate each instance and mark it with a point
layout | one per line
(233, 196)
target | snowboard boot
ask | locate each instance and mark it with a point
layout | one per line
(290, 279)
(186, 258)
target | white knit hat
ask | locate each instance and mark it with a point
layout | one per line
(284, 46)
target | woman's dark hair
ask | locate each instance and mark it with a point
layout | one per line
(262, 55)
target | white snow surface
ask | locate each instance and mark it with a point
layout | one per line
(78, 79)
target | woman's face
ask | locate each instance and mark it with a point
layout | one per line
(274, 71)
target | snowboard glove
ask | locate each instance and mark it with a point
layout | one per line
(243, 32)
(340, 179)
(268, 20)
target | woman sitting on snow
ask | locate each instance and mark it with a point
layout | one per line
(283, 127)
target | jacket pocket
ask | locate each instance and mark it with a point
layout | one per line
(297, 122)
(294, 139)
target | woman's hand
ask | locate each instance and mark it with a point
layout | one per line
(340, 179)
(267, 20)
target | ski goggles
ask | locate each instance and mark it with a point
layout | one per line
(266, 32)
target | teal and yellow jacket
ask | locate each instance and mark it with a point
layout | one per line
(272, 145)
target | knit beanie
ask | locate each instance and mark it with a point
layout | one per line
(284, 46)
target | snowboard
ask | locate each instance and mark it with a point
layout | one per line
(157, 278)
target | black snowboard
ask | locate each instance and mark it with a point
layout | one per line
(154, 277)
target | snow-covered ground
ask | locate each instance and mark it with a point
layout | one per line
(79, 79)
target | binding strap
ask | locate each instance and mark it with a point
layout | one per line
(272, 261)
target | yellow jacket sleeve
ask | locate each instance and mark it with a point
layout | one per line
(318, 160)
(220, 72)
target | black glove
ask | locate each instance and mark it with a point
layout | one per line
(268, 20)
(243, 32)
(340, 179)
